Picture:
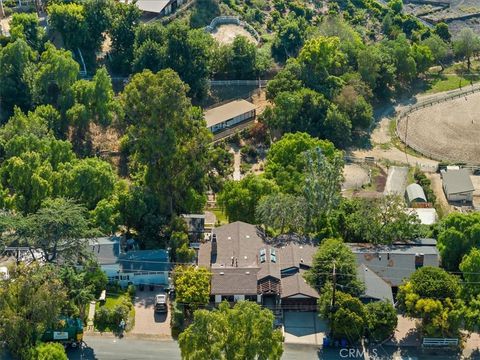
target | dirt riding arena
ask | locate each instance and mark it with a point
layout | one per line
(225, 34)
(449, 130)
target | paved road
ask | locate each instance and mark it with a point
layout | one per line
(109, 348)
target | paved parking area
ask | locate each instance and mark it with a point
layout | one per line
(303, 327)
(147, 322)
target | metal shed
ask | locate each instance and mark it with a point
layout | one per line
(415, 194)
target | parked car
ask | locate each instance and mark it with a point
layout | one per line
(161, 303)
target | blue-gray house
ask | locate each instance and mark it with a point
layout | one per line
(124, 263)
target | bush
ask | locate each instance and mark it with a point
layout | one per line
(177, 322)
(102, 319)
(50, 351)
(131, 291)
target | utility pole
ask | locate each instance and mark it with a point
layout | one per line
(2, 11)
(334, 283)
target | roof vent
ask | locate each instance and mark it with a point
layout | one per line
(247, 236)
(222, 273)
(245, 257)
(247, 272)
(229, 238)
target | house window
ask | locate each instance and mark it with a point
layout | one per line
(229, 298)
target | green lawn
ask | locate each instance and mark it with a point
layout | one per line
(452, 77)
(221, 217)
(114, 299)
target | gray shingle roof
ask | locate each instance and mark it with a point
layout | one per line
(375, 286)
(234, 281)
(245, 244)
(457, 181)
(296, 285)
(106, 249)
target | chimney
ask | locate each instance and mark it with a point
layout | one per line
(236, 262)
(213, 252)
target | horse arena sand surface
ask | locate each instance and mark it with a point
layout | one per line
(449, 130)
(225, 34)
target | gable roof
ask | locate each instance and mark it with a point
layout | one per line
(375, 286)
(394, 263)
(457, 181)
(234, 281)
(297, 285)
(415, 192)
(242, 247)
(105, 249)
(222, 113)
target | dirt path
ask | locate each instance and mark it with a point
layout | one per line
(381, 137)
(237, 161)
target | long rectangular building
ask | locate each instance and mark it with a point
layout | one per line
(230, 114)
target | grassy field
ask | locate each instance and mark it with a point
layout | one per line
(221, 217)
(452, 77)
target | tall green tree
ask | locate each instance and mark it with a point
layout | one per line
(334, 253)
(245, 331)
(59, 230)
(381, 320)
(286, 160)
(283, 212)
(27, 27)
(466, 44)
(378, 221)
(169, 137)
(126, 19)
(322, 62)
(192, 285)
(30, 302)
(69, 20)
(431, 294)
(439, 48)
(240, 198)
(323, 178)
(15, 61)
(56, 73)
(470, 268)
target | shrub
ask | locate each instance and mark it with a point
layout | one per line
(102, 319)
(177, 322)
(131, 290)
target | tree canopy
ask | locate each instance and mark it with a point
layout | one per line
(245, 331)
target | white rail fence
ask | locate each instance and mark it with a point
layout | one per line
(235, 20)
(403, 115)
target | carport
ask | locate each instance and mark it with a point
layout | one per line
(304, 327)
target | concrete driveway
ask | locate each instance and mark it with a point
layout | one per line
(147, 322)
(303, 327)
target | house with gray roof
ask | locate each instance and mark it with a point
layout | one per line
(245, 266)
(381, 265)
(122, 262)
(457, 185)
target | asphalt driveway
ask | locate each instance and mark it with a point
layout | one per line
(303, 327)
(147, 322)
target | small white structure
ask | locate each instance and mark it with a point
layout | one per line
(427, 216)
(227, 115)
(457, 185)
(4, 273)
(160, 7)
